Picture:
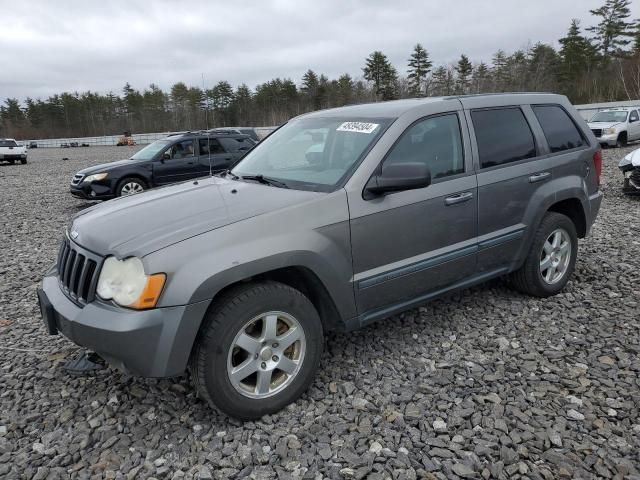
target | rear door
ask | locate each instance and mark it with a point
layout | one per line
(213, 155)
(237, 146)
(511, 170)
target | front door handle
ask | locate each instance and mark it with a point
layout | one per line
(458, 198)
(539, 177)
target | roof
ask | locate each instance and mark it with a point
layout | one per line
(395, 108)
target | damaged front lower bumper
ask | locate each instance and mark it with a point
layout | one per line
(631, 183)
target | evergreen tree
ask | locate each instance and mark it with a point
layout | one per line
(612, 32)
(480, 78)
(464, 69)
(577, 54)
(419, 68)
(379, 71)
(500, 71)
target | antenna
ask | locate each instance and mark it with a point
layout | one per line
(206, 120)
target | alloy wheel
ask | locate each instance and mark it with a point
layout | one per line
(555, 256)
(266, 355)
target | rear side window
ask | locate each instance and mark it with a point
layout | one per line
(503, 136)
(210, 145)
(237, 144)
(560, 131)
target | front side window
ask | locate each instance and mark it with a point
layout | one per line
(610, 116)
(210, 145)
(8, 143)
(434, 141)
(179, 150)
(150, 151)
(314, 153)
(503, 136)
(633, 116)
(560, 131)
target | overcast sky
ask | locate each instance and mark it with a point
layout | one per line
(50, 46)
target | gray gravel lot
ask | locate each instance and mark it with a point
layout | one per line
(486, 383)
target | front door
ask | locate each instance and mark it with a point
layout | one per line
(177, 163)
(409, 244)
(634, 125)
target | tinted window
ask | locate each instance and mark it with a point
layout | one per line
(559, 129)
(434, 141)
(210, 145)
(633, 117)
(503, 136)
(237, 144)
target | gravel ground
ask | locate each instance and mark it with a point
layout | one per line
(486, 383)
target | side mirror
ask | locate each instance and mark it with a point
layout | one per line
(166, 156)
(398, 177)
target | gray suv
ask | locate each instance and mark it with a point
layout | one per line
(339, 218)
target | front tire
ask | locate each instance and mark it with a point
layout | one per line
(258, 351)
(130, 186)
(23, 161)
(622, 140)
(551, 259)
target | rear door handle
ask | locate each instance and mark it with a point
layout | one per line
(539, 177)
(458, 198)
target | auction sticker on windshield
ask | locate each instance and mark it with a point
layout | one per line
(359, 127)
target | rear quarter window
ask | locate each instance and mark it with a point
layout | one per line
(503, 136)
(560, 131)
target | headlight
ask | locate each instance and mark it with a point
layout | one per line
(125, 282)
(95, 177)
(625, 161)
(610, 131)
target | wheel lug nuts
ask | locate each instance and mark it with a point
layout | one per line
(275, 345)
(256, 355)
(274, 358)
(264, 365)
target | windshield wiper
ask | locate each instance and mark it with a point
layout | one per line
(226, 172)
(265, 180)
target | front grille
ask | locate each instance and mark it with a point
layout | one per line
(77, 178)
(597, 132)
(78, 272)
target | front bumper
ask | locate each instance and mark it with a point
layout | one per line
(608, 140)
(149, 343)
(13, 157)
(631, 183)
(92, 191)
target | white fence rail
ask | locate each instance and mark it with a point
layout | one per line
(139, 138)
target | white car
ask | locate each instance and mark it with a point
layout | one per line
(630, 167)
(616, 126)
(10, 151)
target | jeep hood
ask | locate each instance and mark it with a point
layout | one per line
(143, 223)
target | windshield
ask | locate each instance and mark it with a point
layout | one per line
(619, 116)
(8, 143)
(150, 151)
(313, 153)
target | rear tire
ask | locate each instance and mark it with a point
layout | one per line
(129, 186)
(622, 140)
(548, 267)
(244, 342)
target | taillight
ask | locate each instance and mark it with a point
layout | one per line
(597, 164)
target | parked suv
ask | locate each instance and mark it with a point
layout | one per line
(173, 159)
(616, 126)
(339, 218)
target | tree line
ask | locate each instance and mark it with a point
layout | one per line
(594, 64)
